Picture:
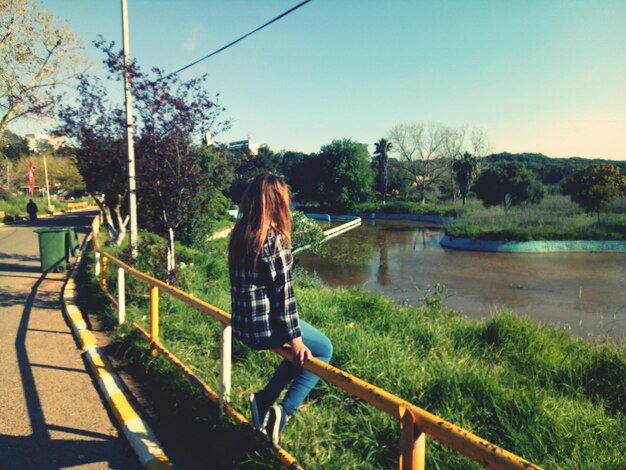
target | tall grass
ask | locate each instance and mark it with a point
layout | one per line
(556, 218)
(535, 390)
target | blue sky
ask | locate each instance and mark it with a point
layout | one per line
(539, 76)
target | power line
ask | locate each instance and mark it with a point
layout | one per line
(237, 40)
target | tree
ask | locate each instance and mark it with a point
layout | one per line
(398, 182)
(38, 53)
(216, 173)
(465, 169)
(479, 142)
(509, 184)
(248, 165)
(594, 187)
(12, 146)
(267, 160)
(383, 146)
(97, 129)
(62, 171)
(424, 148)
(301, 171)
(345, 174)
(552, 171)
(171, 116)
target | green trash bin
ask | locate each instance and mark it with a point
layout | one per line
(53, 249)
(72, 241)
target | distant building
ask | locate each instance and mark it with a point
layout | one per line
(245, 145)
(237, 146)
(54, 142)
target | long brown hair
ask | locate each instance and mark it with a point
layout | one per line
(264, 204)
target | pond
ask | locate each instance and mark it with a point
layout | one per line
(584, 291)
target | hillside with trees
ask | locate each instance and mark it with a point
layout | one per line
(550, 171)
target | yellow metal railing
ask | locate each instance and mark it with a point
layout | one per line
(415, 423)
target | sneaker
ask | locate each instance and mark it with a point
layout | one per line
(260, 413)
(276, 422)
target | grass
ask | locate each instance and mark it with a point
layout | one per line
(392, 207)
(223, 224)
(14, 207)
(535, 390)
(407, 207)
(556, 218)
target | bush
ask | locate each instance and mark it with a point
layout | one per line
(305, 232)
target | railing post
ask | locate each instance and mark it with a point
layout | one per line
(97, 257)
(121, 297)
(412, 443)
(225, 365)
(154, 317)
(104, 273)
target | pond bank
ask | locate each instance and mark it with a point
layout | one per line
(543, 246)
(502, 246)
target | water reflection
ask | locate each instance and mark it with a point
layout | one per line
(404, 259)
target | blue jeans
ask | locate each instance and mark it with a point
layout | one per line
(303, 381)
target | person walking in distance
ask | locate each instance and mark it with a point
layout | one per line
(264, 310)
(32, 209)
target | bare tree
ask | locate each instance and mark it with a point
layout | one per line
(37, 54)
(424, 148)
(479, 142)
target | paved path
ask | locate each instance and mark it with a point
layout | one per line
(51, 415)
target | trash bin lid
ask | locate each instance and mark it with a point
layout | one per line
(51, 229)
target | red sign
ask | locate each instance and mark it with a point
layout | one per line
(31, 179)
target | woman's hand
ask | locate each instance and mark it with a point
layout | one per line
(300, 352)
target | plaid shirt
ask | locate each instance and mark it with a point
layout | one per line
(264, 311)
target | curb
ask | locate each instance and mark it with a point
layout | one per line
(139, 435)
(545, 246)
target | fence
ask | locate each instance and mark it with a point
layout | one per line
(414, 423)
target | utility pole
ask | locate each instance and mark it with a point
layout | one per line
(45, 170)
(132, 199)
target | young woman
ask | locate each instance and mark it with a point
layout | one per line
(264, 311)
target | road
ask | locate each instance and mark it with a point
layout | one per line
(51, 414)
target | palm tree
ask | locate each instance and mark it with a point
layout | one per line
(465, 169)
(383, 146)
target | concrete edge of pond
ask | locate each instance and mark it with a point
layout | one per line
(435, 219)
(545, 246)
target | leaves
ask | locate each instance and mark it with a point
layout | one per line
(171, 115)
(345, 178)
(465, 169)
(509, 184)
(306, 232)
(382, 149)
(38, 53)
(594, 187)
